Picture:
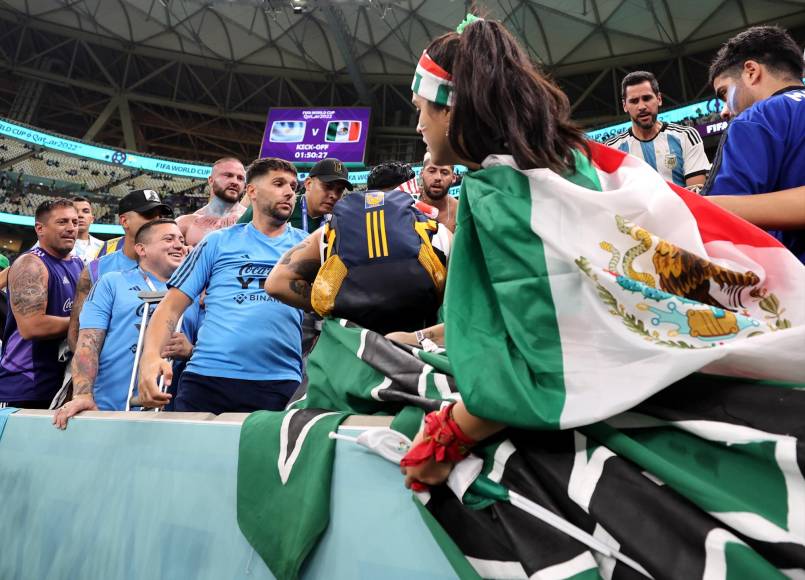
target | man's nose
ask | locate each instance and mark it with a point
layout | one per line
(725, 113)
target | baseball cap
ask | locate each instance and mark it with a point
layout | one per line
(331, 169)
(143, 201)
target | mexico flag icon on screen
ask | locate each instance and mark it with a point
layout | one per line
(343, 131)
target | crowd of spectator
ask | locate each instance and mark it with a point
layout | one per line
(271, 187)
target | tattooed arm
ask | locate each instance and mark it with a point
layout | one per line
(28, 291)
(85, 360)
(85, 371)
(81, 291)
(291, 280)
(159, 331)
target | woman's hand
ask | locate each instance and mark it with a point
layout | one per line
(403, 338)
(428, 473)
(447, 434)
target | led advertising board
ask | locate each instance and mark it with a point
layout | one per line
(305, 136)
(102, 153)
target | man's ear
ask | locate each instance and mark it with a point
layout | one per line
(139, 249)
(659, 99)
(623, 103)
(753, 72)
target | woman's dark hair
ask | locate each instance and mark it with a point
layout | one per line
(503, 104)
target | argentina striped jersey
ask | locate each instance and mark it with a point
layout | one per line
(676, 153)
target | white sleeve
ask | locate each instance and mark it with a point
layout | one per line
(441, 240)
(696, 162)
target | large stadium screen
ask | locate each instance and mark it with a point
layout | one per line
(308, 135)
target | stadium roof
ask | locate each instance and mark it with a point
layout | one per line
(228, 61)
(385, 38)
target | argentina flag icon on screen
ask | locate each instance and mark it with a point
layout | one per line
(287, 131)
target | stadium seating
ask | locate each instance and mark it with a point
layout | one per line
(31, 180)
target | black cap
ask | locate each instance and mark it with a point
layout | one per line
(331, 169)
(143, 201)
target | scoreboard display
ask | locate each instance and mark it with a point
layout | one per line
(305, 136)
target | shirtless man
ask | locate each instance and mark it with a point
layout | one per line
(436, 182)
(227, 182)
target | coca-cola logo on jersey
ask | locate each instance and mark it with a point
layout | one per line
(68, 305)
(253, 272)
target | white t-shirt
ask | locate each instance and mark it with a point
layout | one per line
(676, 153)
(87, 250)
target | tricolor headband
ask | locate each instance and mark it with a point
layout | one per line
(432, 82)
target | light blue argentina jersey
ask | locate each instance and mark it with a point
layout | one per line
(113, 306)
(246, 334)
(676, 153)
(114, 262)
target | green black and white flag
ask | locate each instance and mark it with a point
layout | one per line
(703, 480)
(643, 345)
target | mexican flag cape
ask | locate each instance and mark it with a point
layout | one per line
(643, 344)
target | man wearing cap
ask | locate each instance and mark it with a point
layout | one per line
(134, 209)
(324, 186)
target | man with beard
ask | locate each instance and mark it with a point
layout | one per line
(324, 186)
(227, 180)
(248, 355)
(41, 287)
(676, 152)
(436, 182)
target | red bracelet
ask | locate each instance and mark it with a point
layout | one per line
(444, 440)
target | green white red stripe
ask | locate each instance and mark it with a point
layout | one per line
(630, 285)
(432, 82)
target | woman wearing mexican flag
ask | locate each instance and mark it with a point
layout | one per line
(586, 294)
(620, 390)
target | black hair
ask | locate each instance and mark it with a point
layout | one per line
(142, 233)
(80, 199)
(503, 103)
(43, 209)
(389, 175)
(771, 46)
(262, 166)
(638, 77)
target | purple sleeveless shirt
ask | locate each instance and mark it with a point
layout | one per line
(29, 369)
